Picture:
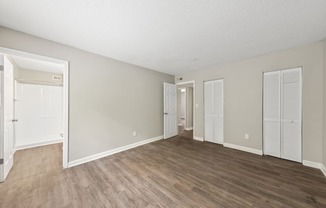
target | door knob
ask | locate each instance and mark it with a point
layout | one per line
(165, 113)
(14, 120)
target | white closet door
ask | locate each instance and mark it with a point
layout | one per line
(271, 115)
(213, 104)
(291, 114)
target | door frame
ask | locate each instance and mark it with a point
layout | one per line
(193, 103)
(65, 86)
(301, 88)
(212, 80)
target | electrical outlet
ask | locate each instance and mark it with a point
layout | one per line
(134, 133)
(246, 136)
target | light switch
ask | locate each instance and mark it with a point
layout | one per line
(246, 136)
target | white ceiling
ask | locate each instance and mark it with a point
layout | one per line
(38, 65)
(172, 36)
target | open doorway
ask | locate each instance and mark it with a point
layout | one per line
(39, 107)
(38, 103)
(185, 109)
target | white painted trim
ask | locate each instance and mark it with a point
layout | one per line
(38, 144)
(65, 146)
(65, 93)
(242, 148)
(112, 151)
(198, 138)
(184, 83)
(311, 164)
(1, 118)
(189, 129)
(193, 82)
(323, 169)
(315, 165)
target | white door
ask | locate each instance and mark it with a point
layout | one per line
(213, 107)
(170, 110)
(282, 114)
(7, 140)
(291, 114)
(272, 116)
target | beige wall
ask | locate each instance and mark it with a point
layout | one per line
(324, 136)
(37, 77)
(189, 108)
(243, 96)
(108, 98)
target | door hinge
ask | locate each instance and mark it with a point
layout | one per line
(1, 161)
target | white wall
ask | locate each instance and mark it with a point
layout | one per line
(243, 96)
(109, 99)
(39, 111)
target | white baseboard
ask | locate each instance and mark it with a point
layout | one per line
(38, 144)
(242, 148)
(323, 169)
(189, 129)
(315, 165)
(112, 151)
(198, 138)
(311, 164)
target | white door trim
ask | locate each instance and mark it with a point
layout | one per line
(65, 65)
(193, 104)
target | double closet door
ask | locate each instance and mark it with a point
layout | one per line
(282, 114)
(213, 107)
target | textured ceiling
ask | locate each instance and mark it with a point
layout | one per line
(172, 36)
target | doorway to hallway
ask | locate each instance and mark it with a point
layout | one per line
(185, 110)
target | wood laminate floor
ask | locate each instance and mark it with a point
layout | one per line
(176, 172)
(185, 133)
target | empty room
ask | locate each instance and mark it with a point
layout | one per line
(170, 103)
